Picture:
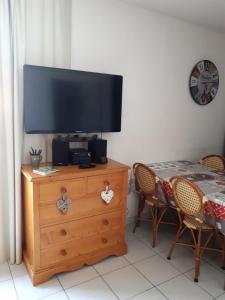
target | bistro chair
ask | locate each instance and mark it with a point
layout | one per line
(190, 203)
(214, 161)
(147, 184)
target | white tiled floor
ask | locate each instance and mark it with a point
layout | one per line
(142, 274)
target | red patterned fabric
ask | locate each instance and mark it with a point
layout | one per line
(167, 189)
(218, 209)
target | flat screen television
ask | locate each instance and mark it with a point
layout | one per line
(68, 101)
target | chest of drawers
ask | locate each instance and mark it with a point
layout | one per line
(85, 230)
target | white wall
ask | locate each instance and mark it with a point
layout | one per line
(155, 54)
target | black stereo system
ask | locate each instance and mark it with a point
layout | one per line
(63, 155)
(98, 150)
(78, 156)
(60, 152)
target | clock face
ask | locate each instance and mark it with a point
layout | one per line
(204, 82)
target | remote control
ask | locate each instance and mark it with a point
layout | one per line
(86, 166)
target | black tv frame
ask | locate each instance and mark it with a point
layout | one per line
(42, 68)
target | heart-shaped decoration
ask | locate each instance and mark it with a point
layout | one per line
(63, 204)
(107, 195)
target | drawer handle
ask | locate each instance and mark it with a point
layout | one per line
(104, 240)
(105, 222)
(63, 252)
(63, 232)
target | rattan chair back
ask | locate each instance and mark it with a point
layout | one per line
(135, 177)
(145, 179)
(214, 161)
(188, 197)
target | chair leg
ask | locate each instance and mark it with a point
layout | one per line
(157, 218)
(154, 225)
(223, 252)
(141, 205)
(198, 256)
(177, 237)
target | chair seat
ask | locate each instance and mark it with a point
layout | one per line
(154, 201)
(194, 224)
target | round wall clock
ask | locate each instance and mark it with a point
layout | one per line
(204, 82)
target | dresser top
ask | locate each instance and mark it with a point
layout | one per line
(73, 171)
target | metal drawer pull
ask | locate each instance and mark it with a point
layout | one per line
(63, 232)
(105, 222)
(63, 252)
(104, 240)
(107, 194)
(64, 203)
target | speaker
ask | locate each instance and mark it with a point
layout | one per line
(60, 152)
(98, 149)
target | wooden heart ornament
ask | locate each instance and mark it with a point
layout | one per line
(64, 204)
(107, 195)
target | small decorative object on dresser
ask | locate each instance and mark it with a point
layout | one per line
(44, 171)
(35, 157)
(66, 222)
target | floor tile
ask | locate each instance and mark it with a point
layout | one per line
(138, 251)
(127, 282)
(69, 279)
(58, 296)
(165, 236)
(111, 264)
(95, 289)
(163, 242)
(26, 291)
(156, 269)
(130, 236)
(7, 290)
(18, 270)
(221, 297)
(211, 279)
(213, 258)
(129, 227)
(152, 294)
(4, 272)
(182, 259)
(144, 231)
(182, 288)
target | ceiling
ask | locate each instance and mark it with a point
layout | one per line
(209, 13)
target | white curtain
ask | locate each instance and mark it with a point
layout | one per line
(33, 32)
(48, 43)
(12, 57)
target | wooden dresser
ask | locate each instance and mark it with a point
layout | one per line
(67, 224)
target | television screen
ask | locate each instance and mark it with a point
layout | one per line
(69, 101)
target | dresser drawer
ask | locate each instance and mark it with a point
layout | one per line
(52, 235)
(81, 205)
(83, 246)
(50, 192)
(96, 184)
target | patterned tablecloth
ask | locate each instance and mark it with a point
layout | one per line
(212, 183)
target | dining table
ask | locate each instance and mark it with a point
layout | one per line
(210, 181)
